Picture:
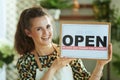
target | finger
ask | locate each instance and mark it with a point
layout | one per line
(110, 51)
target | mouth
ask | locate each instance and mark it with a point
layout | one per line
(45, 38)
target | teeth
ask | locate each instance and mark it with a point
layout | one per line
(45, 38)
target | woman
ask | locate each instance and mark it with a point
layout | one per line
(40, 58)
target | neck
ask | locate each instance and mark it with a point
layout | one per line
(44, 49)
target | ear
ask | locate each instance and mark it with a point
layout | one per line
(27, 32)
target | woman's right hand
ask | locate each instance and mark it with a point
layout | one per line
(59, 63)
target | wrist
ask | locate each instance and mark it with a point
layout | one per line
(99, 65)
(52, 70)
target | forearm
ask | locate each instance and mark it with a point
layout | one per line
(48, 75)
(97, 73)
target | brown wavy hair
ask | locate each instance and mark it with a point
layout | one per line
(23, 43)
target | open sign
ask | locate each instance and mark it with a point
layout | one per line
(85, 40)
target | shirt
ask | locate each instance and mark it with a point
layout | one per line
(27, 66)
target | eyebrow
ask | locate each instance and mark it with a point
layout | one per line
(41, 26)
(36, 27)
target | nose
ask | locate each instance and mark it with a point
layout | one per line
(45, 32)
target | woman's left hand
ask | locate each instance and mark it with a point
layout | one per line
(104, 62)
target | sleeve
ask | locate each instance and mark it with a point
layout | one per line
(79, 71)
(24, 68)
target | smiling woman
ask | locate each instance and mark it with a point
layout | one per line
(40, 57)
(41, 32)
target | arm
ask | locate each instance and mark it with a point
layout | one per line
(97, 73)
(79, 70)
(24, 70)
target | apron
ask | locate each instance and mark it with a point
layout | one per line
(64, 73)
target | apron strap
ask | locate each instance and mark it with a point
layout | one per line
(55, 46)
(38, 62)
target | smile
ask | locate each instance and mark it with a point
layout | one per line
(45, 38)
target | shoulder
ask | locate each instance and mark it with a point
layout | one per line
(26, 67)
(25, 60)
(26, 57)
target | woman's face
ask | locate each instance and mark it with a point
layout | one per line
(41, 30)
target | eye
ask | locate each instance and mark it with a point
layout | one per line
(38, 29)
(48, 26)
